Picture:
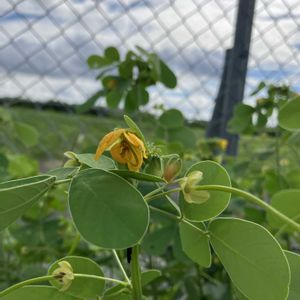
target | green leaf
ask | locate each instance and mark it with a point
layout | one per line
(90, 102)
(37, 293)
(135, 128)
(149, 276)
(138, 176)
(242, 118)
(252, 257)
(294, 262)
(171, 119)
(167, 77)
(141, 94)
(107, 210)
(113, 98)
(114, 292)
(157, 241)
(28, 135)
(63, 173)
(162, 72)
(183, 135)
(98, 62)
(17, 196)
(261, 86)
(213, 173)
(22, 166)
(288, 116)
(195, 243)
(131, 102)
(112, 54)
(103, 162)
(288, 203)
(81, 287)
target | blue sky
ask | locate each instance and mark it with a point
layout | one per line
(43, 46)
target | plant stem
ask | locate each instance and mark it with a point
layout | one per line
(49, 277)
(74, 245)
(195, 227)
(253, 199)
(148, 198)
(121, 266)
(160, 188)
(24, 283)
(170, 215)
(101, 278)
(137, 292)
(62, 181)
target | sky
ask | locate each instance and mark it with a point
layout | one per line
(44, 46)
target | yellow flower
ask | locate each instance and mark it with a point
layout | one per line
(125, 147)
(223, 144)
(64, 274)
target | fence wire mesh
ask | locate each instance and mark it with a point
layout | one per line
(44, 46)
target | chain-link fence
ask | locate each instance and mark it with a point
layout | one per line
(44, 46)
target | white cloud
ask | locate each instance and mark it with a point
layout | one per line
(52, 39)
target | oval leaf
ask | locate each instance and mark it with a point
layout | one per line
(63, 173)
(252, 257)
(195, 243)
(37, 293)
(81, 287)
(107, 210)
(17, 196)
(294, 262)
(288, 203)
(171, 119)
(103, 162)
(213, 173)
(149, 275)
(288, 116)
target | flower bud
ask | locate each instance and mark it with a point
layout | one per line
(172, 167)
(154, 166)
(189, 185)
(64, 274)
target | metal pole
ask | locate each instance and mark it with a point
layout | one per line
(237, 70)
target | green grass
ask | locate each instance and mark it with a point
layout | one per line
(60, 132)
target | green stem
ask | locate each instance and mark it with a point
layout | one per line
(62, 181)
(74, 245)
(170, 215)
(24, 283)
(195, 227)
(101, 278)
(253, 199)
(137, 292)
(49, 277)
(121, 267)
(148, 198)
(149, 195)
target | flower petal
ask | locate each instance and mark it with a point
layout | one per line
(107, 141)
(117, 153)
(136, 142)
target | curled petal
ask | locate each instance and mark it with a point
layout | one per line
(135, 142)
(136, 160)
(107, 141)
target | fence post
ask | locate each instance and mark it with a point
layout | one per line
(214, 126)
(235, 76)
